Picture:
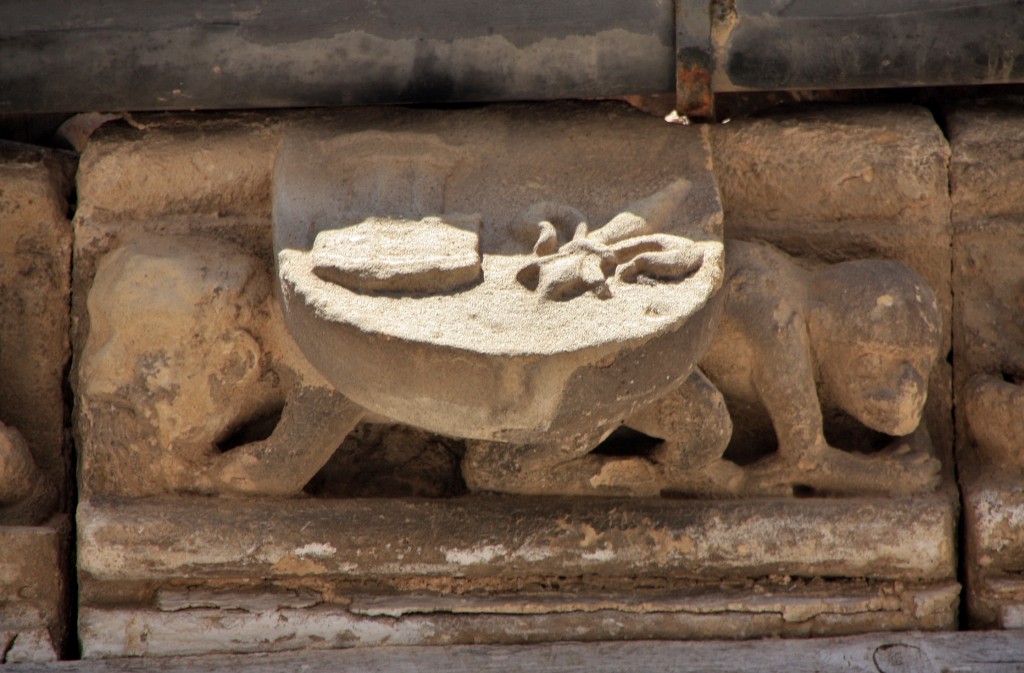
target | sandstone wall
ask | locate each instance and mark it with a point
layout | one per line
(141, 314)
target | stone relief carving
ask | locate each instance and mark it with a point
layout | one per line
(444, 305)
(796, 348)
(27, 495)
(182, 351)
(186, 339)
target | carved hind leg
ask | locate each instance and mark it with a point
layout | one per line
(558, 468)
(694, 426)
(314, 423)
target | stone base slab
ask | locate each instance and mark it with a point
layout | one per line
(490, 537)
(165, 577)
(798, 610)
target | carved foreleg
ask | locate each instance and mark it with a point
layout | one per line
(785, 382)
(763, 320)
(315, 422)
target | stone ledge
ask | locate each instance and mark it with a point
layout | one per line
(832, 609)
(485, 537)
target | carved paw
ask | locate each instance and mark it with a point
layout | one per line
(906, 467)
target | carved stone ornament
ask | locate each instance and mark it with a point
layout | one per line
(355, 378)
(536, 340)
(544, 330)
(490, 298)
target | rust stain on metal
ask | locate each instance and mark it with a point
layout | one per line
(694, 97)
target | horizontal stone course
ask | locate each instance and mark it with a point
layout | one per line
(480, 536)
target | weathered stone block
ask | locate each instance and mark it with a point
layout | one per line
(988, 330)
(35, 272)
(482, 537)
(489, 569)
(33, 591)
(184, 364)
(841, 183)
(35, 456)
(987, 168)
(837, 183)
(177, 165)
(789, 610)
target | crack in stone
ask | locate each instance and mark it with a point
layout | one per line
(7, 648)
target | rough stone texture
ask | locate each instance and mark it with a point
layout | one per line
(493, 537)
(567, 372)
(171, 175)
(558, 339)
(989, 652)
(387, 460)
(789, 611)
(315, 574)
(144, 188)
(836, 183)
(430, 255)
(35, 267)
(988, 329)
(186, 165)
(35, 456)
(994, 552)
(33, 591)
(171, 365)
(797, 347)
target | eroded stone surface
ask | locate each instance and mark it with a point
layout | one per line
(33, 590)
(407, 165)
(35, 457)
(482, 537)
(474, 545)
(796, 348)
(988, 217)
(435, 254)
(438, 620)
(35, 263)
(553, 342)
(832, 184)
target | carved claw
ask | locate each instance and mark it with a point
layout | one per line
(579, 266)
(583, 265)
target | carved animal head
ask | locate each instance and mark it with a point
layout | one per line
(876, 331)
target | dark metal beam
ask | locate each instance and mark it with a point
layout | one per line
(60, 56)
(768, 45)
